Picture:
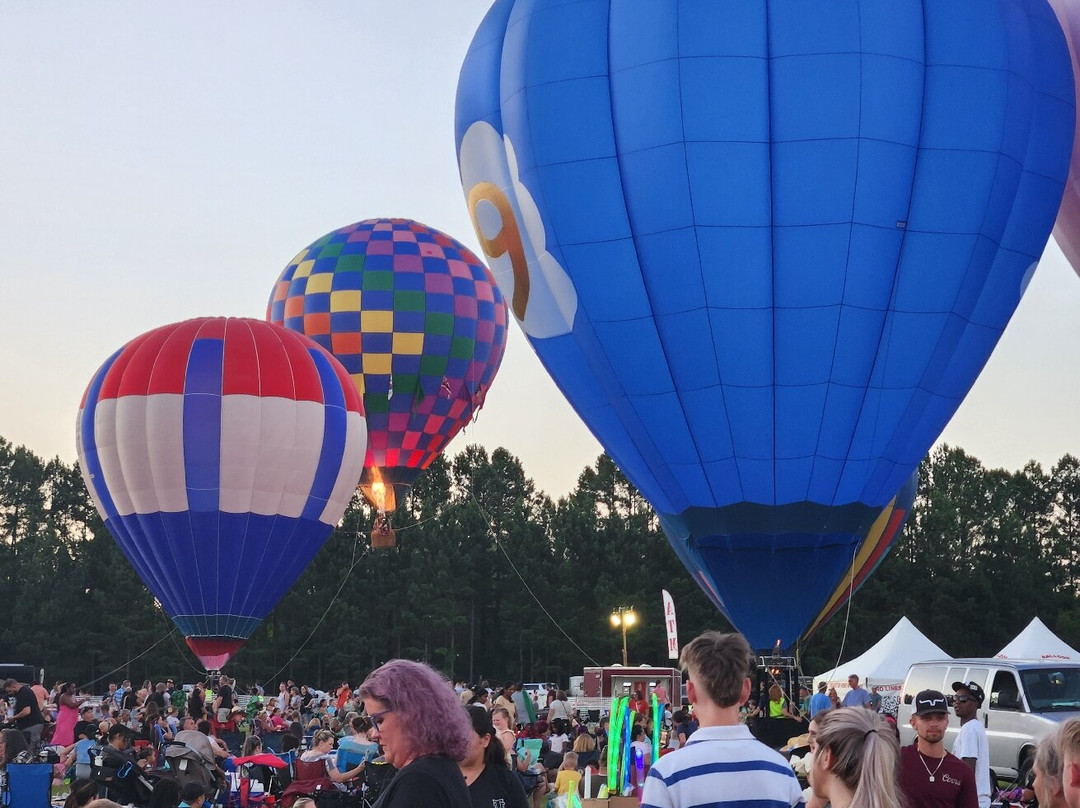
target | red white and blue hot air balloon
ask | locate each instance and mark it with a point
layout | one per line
(220, 453)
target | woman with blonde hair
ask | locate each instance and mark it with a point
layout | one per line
(1049, 790)
(856, 761)
(585, 748)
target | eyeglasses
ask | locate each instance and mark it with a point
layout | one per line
(376, 718)
(962, 699)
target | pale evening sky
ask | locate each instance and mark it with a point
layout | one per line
(165, 161)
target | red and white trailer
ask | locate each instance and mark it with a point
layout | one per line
(604, 683)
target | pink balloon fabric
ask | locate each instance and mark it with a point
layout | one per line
(1067, 226)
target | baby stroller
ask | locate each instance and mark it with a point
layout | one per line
(190, 758)
(119, 780)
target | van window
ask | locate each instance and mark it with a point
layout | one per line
(1052, 689)
(956, 674)
(976, 675)
(1005, 693)
(923, 677)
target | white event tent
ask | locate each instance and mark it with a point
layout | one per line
(1038, 642)
(886, 664)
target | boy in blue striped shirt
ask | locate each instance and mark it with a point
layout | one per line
(721, 762)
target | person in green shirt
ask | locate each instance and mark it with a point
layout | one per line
(778, 705)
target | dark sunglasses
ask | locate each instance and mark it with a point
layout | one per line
(962, 699)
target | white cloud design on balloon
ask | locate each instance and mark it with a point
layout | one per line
(486, 157)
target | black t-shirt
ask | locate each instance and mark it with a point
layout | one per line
(497, 787)
(25, 697)
(952, 786)
(158, 699)
(225, 694)
(131, 699)
(427, 782)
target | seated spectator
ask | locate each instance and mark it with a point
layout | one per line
(585, 747)
(221, 751)
(323, 749)
(566, 783)
(289, 742)
(356, 739)
(82, 791)
(117, 754)
(640, 744)
(275, 722)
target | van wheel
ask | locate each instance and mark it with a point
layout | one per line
(1026, 762)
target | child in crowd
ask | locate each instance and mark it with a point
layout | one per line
(566, 783)
(192, 796)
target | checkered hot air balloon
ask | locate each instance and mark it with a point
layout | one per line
(214, 448)
(420, 326)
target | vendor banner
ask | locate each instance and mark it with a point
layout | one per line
(670, 624)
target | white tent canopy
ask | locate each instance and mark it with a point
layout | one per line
(1038, 642)
(886, 664)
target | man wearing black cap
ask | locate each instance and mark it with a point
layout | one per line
(930, 777)
(971, 745)
(86, 726)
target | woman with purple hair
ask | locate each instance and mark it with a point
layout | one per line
(424, 734)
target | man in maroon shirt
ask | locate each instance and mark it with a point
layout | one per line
(930, 777)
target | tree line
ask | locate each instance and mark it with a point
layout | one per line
(493, 579)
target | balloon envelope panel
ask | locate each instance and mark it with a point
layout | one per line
(765, 249)
(416, 320)
(1067, 226)
(220, 453)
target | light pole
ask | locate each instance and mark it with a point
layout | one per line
(623, 616)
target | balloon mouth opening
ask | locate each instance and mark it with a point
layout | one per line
(214, 652)
(378, 492)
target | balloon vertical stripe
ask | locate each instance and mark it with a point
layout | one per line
(201, 425)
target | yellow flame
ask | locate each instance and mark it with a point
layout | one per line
(378, 493)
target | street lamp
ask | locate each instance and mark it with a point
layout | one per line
(623, 616)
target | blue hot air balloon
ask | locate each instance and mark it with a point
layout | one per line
(220, 453)
(765, 248)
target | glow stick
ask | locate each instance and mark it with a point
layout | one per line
(655, 729)
(627, 757)
(614, 747)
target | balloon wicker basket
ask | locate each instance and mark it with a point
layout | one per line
(382, 538)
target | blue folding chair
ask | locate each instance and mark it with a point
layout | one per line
(351, 758)
(29, 785)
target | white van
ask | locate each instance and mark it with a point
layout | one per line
(1025, 700)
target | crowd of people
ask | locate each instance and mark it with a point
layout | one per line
(449, 745)
(505, 740)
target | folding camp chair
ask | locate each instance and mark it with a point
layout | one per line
(29, 785)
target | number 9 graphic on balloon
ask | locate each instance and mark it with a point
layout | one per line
(507, 241)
